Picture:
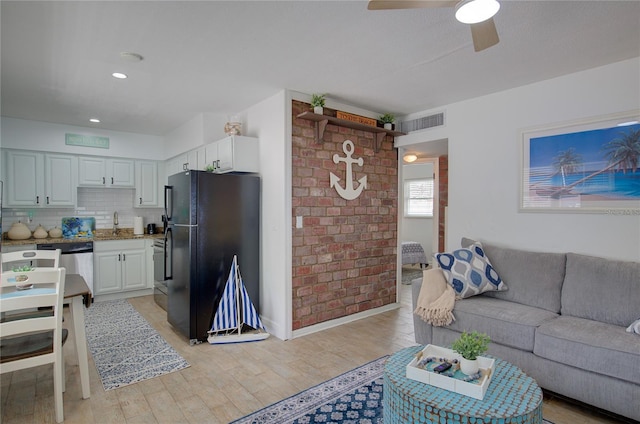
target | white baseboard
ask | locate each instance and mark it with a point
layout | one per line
(344, 320)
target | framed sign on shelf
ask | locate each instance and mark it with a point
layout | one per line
(590, 166)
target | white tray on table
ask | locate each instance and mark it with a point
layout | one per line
(475, 390)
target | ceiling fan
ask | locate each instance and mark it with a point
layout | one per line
(477, 13)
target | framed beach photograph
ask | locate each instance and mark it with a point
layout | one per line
(589, 166)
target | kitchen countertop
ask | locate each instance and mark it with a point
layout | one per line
(99, 235)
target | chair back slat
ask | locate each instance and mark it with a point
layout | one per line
(36, 258)
(23, 326)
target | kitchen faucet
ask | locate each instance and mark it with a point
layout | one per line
(115, 223)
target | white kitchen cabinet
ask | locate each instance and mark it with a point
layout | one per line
(234, 153)
(102, 172)
(146, 184)
(193, 159)
(35, 179)
(120, 266)
(196, 159)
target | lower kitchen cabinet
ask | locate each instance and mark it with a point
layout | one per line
(119, 266)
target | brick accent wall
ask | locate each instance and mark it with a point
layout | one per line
(344, 257)
(443, 193)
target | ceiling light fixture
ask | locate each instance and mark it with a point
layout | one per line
(410, 157)
(94, 120)
(119, 75)
(474, 11)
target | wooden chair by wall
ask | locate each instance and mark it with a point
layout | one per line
(28, 341)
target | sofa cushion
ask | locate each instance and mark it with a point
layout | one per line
(590, 345)
(469, 271)
(508, 323)
(534, 278)
(601, 289)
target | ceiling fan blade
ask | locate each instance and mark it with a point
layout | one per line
(484, 35)
(409, 4)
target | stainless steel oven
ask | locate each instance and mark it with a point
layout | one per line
(161, 269)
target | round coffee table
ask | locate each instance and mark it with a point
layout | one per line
(512, 397)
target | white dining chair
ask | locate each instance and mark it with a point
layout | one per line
(28, 341)
(36, 258)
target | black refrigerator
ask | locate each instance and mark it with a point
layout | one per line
(210, 218)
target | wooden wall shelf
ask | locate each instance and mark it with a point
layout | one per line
(321, 122)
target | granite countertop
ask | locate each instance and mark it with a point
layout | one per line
(99, 235)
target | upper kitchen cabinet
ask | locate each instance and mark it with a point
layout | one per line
(101, 172)
(193, 159)
(146, 184)
(234, 153)
(36, 179)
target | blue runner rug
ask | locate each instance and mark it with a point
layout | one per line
(124, 346)
(354, 397)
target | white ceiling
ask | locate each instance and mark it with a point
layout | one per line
(224, 56)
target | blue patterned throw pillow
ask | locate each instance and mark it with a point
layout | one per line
(469, 271)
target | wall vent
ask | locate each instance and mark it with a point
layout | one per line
(422, 123)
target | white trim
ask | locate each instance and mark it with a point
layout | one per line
(344, 320)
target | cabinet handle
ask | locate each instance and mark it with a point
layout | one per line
(124, 257)
(37, 200)
(47, 200)
(111, 180)
(141, 200)
(103, 181)
(119, 257)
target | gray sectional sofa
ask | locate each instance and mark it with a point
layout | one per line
(562, 320)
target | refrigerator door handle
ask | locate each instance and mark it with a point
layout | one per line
(167, 197)
(168, 236)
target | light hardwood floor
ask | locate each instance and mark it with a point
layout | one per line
(227, 382)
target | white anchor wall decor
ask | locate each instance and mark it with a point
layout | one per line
(348, 193)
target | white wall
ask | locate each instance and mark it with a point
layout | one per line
(45, 136)
(417, 229)
(484, 163)
(270, 121)
(202, 129)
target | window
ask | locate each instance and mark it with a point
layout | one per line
(418, 198)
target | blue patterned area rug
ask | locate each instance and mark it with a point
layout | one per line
(124, 346)
(354, 397)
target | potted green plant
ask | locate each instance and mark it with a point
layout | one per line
(387, 119)
(470, 346)
(317, 101)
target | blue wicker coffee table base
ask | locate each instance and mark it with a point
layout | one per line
(512, 397)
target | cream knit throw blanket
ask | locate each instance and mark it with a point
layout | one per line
(436, 299)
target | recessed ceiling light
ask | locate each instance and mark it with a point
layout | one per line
(119, 75)
(94, 120)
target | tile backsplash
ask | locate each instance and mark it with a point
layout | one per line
(100, 203)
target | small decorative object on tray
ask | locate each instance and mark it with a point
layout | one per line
(440, 367)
